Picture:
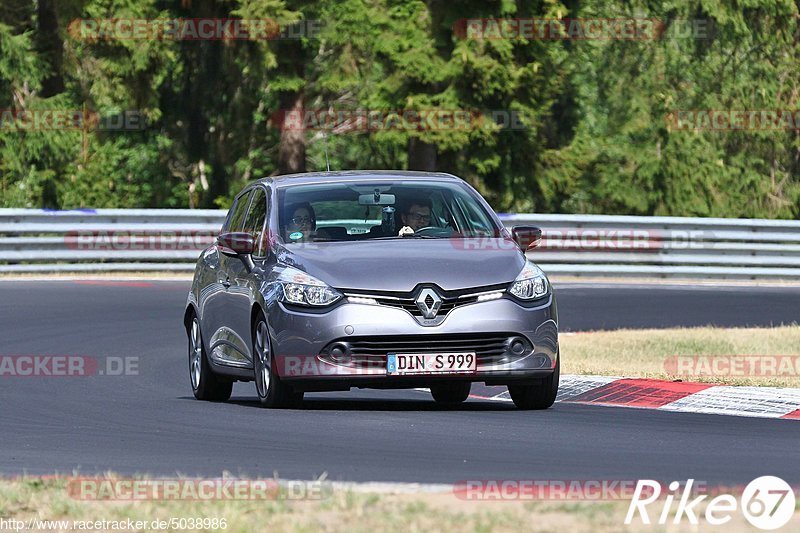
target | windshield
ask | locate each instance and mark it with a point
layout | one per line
(381, 210)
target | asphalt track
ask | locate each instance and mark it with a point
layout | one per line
(148, 423)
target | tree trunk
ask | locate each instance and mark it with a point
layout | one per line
(292, 147)
(421, 155)
(51, 48)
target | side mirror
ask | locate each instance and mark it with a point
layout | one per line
(528, 237)
(236, 243)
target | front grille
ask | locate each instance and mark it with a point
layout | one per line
(408, 304)
(483, 344)
(405, 301)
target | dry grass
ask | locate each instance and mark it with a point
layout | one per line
(645, 353)
(341, 511)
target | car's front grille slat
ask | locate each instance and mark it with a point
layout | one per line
(433, 342)
(423, 347)
(487, 345)
(453, 349)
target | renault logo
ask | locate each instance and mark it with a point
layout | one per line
(428, 302)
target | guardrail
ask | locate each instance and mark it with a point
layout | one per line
(103, 240)
(683, 247)
(43, 241)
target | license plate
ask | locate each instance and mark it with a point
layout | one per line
(403, 364)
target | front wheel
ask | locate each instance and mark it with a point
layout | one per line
(206, 385)
(540, 396)
(451, 393)
(271, 391)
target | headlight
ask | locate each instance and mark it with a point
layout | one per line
(530, 284)
(301, 289)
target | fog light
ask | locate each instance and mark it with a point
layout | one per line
(339, 353)
(517, 347)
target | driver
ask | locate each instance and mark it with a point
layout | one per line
(417, 214)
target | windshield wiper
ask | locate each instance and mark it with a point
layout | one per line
(411, 236)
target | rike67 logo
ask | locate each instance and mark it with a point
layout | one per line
(767, 502)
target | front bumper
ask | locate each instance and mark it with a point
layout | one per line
(302, 341)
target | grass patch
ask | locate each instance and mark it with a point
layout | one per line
(647, 354)
(340, 510)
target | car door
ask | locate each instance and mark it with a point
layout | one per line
(244, 283)
(219, 334)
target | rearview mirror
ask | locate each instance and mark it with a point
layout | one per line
(236, 243)
(376, 199)
(528, 237)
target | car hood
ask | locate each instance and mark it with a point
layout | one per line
(402, 264)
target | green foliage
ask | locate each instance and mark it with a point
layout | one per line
(625, 157)
(595, 137)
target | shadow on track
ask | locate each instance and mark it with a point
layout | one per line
(383, 404)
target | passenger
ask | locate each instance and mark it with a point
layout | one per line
(301, 222)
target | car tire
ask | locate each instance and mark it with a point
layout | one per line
(206, 385)
(271, 391)
(539, 396)
(451, 393)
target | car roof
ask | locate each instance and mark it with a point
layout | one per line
(327, 177)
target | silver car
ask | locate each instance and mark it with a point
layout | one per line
(371, 279)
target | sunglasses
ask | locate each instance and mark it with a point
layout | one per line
(301, 220)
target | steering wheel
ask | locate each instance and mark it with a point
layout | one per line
(420, 230)
(435, 231)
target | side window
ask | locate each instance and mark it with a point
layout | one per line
(237, 212)
(476, 219)
(441, 212)
(228, 217)
(254, 224)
